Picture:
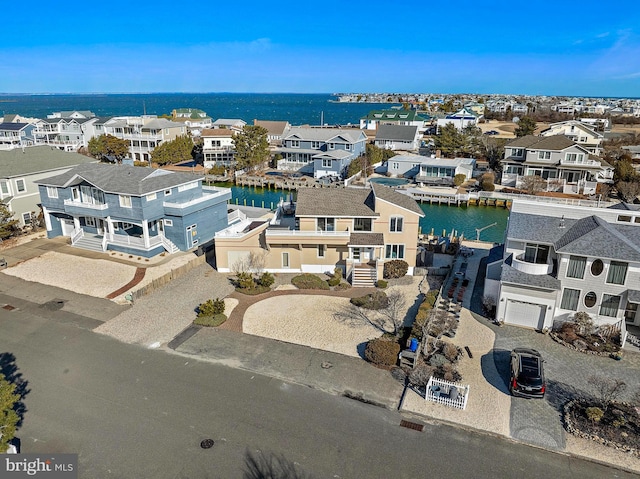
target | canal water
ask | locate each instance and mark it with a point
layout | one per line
(438, 218)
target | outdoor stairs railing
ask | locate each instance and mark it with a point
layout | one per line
(363, 276)
(76, 236)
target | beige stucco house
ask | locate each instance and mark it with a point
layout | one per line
(356, 230)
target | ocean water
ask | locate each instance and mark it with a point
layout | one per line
(298, 109)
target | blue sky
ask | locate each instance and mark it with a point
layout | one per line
(560, 48)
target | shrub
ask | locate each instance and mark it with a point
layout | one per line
(342, 286)
(266, 280)
(336, 278)
(396, 268)
(217, 170)
(257, 289)
(245, 280)
(568, 332)
(487, 185)
(584, 323)
(376, 300)
(309, 281)
(431, 297)
(382, 352)
(211, 307)
(210, 321)
(459, 179)
(420, 375)
(382, 284)
(448, 372)
(594, 413)
(451, 352)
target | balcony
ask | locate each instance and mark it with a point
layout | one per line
(99, 210)
(531, 268)
(591, 163)
(285, 235)
(210, 196)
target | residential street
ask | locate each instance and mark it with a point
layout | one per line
(134, 412)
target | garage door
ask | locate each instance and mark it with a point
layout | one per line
(524, 314)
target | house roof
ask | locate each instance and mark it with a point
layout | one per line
(394, 115)
(625, 206)
(593, 236)
(574, 123)
(537, 228)
(555, 142)
(514, 276)
(333, 154)
(396, 132)
(13, 126)
(159, 123)
(272, 127)
(324, 134)
(366, 239)
(392, 196)
(633, 295)
(121, 179)
(347, 202)
(35, 159)
(216, 132)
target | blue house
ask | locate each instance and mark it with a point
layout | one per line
(135, 210)
(321, 151)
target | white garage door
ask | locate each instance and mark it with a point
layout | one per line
(524, 314)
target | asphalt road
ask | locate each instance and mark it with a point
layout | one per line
(131, 412)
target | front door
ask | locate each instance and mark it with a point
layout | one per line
(630, 313)
(67, 227)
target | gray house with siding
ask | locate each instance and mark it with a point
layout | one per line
(398, 137)
(142, 211)
(559, 259)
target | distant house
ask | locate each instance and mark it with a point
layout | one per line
(375, 118)
(356, 230)
(275, 130)
(196, 120)
(16, 135)
(217, 147)
(142, 211)
(20, 169)
(560, 259)
(565, 165)
(461, 119)
(321, 151)
(397, 137)
(63, 133)
(578, 132)
(234, 124)
(72, 114)
(430, 171)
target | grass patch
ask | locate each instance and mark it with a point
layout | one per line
(309, 281)
(210, 321)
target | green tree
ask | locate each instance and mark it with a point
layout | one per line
(7, 222)
(8, 416)
(108, 147)
(493, 150)
(251, 146)
(174, 151)
(526, 126)
(450, 140)
(624, 171)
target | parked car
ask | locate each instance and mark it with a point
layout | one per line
(527, 373)
(492, 132)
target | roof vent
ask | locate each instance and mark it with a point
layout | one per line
(561, 225)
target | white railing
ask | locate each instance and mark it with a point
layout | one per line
(542, 199)
(564, 161)
(447, 393)
(93, 206)
(77, 235)
(285, 232)
(521, 264)
(205, 197)
(169, 245)
(236, 215)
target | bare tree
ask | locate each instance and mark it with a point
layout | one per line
(387, 320)
(628, 190)
(533, 184)
(395, 311)
(438, 323)
(607, 389)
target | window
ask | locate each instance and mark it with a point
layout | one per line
(395, 251)
(75, 194)
(151, 196)
(125, 201)
(332, 146)
(362, 224)
(624, 218)
(597, 267)
(326, 163)
(167, 192)
(90, 221)
(395, 224)
(590, 299)
(570, 299)
(517, 151)
(26, 218)
(4, 187)
(576, 267)
(609, 306)
(52, 192)
(326, 224)
(295, 144)
(285, 259)
(574, 157)
(20, 186)
(347, 147)
(355, 254)
(315, 145)
(536, 253)
(617, 272)
(544, 155)
(167, 222)
(321, 250)
(395, 165)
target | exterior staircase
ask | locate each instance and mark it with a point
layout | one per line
(363, 276)
(89, 242)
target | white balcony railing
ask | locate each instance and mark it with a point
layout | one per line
(93, 206)
(319, 234)
(531, 268)
(565, 161)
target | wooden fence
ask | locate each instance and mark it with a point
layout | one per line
(168, 277)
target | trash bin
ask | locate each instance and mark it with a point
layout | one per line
(413, 345)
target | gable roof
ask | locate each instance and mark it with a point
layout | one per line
(121, 179)
(13, 126)
(36, 159)
(345, 202)
(206, 132)
(554, 142)
(392, 196)
(272, 127)
(324, 134)
(394, 115)
(574, 123)
(396, 132)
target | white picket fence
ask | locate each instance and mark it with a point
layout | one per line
(447, 393)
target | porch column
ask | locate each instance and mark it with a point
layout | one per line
(145, 233)
(108, 227)
(76, 223)
(47, 218)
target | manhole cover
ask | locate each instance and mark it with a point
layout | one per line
(411, 425)
(53, 305)
(206, 444)
(8, 307)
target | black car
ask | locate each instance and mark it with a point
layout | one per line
(492, 132)
(527, 373)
